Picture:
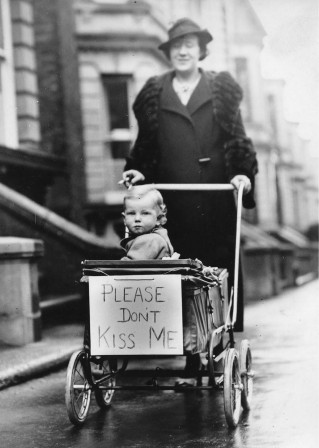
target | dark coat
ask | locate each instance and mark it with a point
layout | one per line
(203, 142)
(225, 96)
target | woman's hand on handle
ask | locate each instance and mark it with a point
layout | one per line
(241, 178)
(131, 177)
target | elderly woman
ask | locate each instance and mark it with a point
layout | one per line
(191, 131)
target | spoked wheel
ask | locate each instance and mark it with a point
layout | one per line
(232, 387)
(77, 389)
(245, 361)
(104, 396)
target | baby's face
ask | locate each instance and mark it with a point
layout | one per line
(140, 215)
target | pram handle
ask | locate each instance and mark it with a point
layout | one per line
(230, 322)
(194, 187)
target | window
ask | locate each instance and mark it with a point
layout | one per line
(242, 76)
(272, 114)
(117, 113)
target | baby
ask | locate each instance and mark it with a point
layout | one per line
(144, 215)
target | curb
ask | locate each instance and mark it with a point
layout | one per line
(35, 368)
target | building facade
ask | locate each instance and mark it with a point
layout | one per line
(25, 164)
(70, 71)
(117, 44)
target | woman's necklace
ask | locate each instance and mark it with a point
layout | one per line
(186, 86)
(184, 89)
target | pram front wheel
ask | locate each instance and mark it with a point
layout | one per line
(232, 387)
(77, 389)
(104, 396)
(245, 361)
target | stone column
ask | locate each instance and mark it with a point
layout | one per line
(25, 73)
(20, 315)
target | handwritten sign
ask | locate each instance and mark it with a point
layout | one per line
(136, 315)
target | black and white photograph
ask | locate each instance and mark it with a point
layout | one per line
(159, 223)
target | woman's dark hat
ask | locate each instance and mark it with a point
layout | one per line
(183, 27)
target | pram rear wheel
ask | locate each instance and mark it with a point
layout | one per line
(104, 396)
(245, 361)
(232, 387)
(77, 389)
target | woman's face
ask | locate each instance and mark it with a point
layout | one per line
(185, 53)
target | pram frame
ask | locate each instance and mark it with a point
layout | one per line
(235, 378)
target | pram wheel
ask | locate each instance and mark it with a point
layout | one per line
(232, 387)
(77, 389)
(245, 361)
(104, 396)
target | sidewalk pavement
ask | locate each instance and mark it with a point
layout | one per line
(18, 364)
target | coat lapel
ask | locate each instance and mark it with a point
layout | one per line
(170, 100)
(200, 96)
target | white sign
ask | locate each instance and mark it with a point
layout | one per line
(136, 315)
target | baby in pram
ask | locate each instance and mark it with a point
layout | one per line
(144, 216)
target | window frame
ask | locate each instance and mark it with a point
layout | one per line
(119, 135)
(242, 71)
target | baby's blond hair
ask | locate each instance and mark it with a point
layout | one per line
(140, 191)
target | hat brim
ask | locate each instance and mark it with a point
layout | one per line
(204, 35)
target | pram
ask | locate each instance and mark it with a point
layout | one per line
(160, 308)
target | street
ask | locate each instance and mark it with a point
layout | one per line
(283, 333)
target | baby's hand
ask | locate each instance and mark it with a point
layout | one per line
(208, 271)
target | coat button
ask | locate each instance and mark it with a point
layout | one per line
(204, 160)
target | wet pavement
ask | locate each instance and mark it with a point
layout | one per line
(284, 336)
(283, 333)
